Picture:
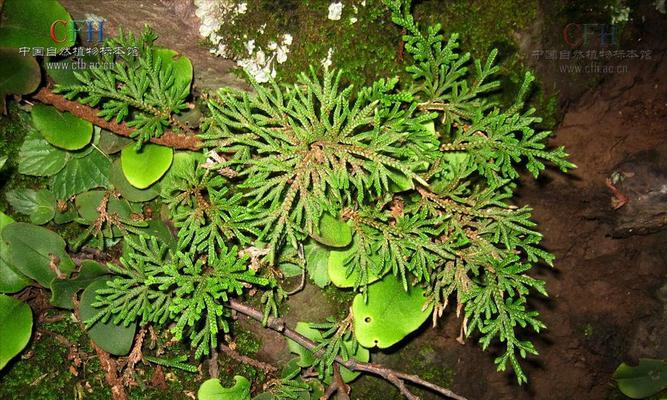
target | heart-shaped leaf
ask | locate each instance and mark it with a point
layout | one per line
(333, 232)
(307, 358)
(642, 381)
(114, 339)
(81, 174)
(36, 252)
(390, 314)
(342, 272)
(213, 390)
(15, 327)
(61, 129)
(144, 167)
(28, 24)
(180, 64)
(128, 191)
(37, 157)
(10, 280)
(39, 205)
(18, 74)
(62, 290)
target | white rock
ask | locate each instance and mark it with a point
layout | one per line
(335, 11)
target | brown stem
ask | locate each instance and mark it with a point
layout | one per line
(337, 386)
(168, 138)
(397, 378)
(213, 369)
(268, 368)
(107, 363)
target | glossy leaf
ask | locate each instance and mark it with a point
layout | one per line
(10, 280)
(642, 381)
(114, 339)
(333, 231)
(144, 167)
(61, 129)
(15, 328)
(28, 24)
(316, 263)
(39, 158)
(213, 390)
(390, 314)
(341, 274)
(19, 74)
(87, 204)
(62, 290)
(34, 252)
(181, 65)
(129, 192)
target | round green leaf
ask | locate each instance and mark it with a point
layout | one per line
(390, 314)
(213, 390)
(306, 357)
(144, 167)
(341, 273)
(37, 157)
(28, 24)
(181, 65)
(62, 290)
(128, 191)
(61, 129)
(15, 328)
(88, 202)
(114, 339)
(18, 74)
(10, 280)
(642, 381)
(33, 251)
(333, 232)
(316, 263)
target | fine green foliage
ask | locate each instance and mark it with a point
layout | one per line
(147, 89)
(112, 338)
(320, 148)
(156, 284)
(401, 191)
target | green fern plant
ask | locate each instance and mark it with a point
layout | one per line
(406, 185)
(147, 89)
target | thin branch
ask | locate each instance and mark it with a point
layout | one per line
(397, 378)
(337, 386)
(168, 138)
(233, 354)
